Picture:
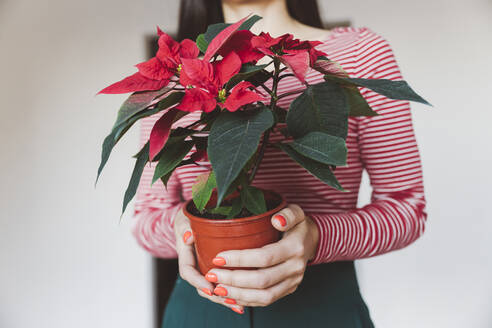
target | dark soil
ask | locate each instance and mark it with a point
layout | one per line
(270, 203)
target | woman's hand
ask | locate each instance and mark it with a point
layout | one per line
(187, 262)
(281, 265)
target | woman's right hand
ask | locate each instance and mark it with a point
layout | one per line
(187, 262)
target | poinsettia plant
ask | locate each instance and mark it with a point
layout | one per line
(219, 76)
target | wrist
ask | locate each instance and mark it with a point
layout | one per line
(313, 238)
(177, 211)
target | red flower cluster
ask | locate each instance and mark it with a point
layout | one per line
(293, 53)
(240, 43)
(206, 85)
(205, 80)
(155, 73)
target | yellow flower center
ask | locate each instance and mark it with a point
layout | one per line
(222, 95)
(179, 68)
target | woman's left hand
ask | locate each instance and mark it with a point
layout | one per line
(281, 265)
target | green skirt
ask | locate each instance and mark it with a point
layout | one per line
(327, 297)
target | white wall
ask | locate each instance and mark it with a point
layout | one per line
(67, 262)
(443, 47)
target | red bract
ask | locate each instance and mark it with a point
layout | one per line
(293, 53)
(221, 38)
(296, 46)
(241, 95)
(135, 82)
(155, 73)
(240, 43)
(160, 132)
(169, 55)
(206, 83)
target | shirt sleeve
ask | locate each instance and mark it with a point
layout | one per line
(396, 215)
(156, 206)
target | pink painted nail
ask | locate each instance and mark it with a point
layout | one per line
(186, 235)
(207, 291)
(219, 261)
(280, 219)
(240, 311)
(212, 277)
(220, 291)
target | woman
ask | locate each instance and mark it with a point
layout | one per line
(308, 277)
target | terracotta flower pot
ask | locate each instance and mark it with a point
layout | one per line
(214, 236)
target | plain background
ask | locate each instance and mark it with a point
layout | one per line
(67, 261)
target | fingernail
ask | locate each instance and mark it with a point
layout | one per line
(240, 311)
(230, 301)
(280, 219)
(186, 235)
(212, 277)
(219, 261)
(220, 291)
(207, 291)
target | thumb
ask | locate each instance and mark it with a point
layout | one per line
(288, 217)
(183, 228)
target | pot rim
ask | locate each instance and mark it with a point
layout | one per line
(280, 206)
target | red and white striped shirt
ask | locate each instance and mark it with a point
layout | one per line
(383, 145)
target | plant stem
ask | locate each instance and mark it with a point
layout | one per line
(266, 88)
(285, 75)
(266, 136)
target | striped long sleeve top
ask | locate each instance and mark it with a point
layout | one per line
(383, 145)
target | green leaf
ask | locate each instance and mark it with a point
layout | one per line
(237, 207)
(259, 78)
(321, 107)
(248, 24)
(319, 170)
(223, 210)
(165, 179)
(116, 133)
(329, 67)
(358, 105)
(215, 29)
(233, 139)
(119, 129)
(391, 89)
(321, 147)
(233, 187)
(171, 155)
(182, 133)
(253, 199)
(137, 102)
(247, 71)
(280, 114)
(142, 158)
(170, 100)
(202, 189)
(201, 43)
